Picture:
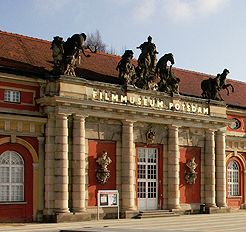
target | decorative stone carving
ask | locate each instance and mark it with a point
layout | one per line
(150, 137)
(191, 175)
(103, 173)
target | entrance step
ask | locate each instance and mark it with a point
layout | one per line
(155, 214)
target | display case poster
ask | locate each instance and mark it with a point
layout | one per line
(103, 199)
(108, 198)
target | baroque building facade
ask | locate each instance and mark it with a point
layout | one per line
(64, 139)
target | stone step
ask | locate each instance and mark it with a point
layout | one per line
(155, 214)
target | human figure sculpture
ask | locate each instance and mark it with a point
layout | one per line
(147, 58)
(103, 173)
(126, 69)
(58, 51)
(67, 54)
(212, 86)
(191, 175)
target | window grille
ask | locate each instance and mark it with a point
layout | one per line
(12, 96)
(11, 177)
(233, 178)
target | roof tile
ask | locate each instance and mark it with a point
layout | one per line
(29, 54)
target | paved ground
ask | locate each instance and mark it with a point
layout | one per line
(233, 222)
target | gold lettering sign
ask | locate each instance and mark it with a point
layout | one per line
(149, 102)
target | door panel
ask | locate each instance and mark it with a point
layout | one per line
(147, 178)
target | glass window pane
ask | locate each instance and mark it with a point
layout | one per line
(11, 177)
(233, 178)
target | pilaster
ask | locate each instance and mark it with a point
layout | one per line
(49, 168)
(41, 175)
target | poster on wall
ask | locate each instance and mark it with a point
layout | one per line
(108, 198)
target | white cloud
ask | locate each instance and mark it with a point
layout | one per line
(186, 10)
(144, 10)
(50, 6)
(176, 10)
(211, 6)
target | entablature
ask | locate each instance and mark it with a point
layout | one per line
(73, 95)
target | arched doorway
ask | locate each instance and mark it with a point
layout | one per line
(17, 181)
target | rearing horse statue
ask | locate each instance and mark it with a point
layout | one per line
(212, 86)
(169, 83)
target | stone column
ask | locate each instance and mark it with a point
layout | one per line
(128, 176)
(49, 168)
(78, 164)
(61, 164)
(220, 169)
(209, 174)
(173, 168)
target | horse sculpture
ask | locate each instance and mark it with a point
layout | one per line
(212, 86)
(168, 83)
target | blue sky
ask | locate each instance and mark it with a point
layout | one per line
(204, 35)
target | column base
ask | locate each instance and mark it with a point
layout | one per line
(174, 207)
(222, 205)
(79, 210)
(211, 205)
(60, 211)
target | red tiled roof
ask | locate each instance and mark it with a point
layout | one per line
(31, 54)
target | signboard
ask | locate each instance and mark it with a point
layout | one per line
(147, 101)
(107, 198)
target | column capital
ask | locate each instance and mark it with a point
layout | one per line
(173, 127)
(221, 132)
(79, 116)
(126, 122)
(210, 131)
(61, 114)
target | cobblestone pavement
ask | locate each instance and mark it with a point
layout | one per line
(232, 222)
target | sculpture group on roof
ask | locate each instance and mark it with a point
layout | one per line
(67, 54)
(149, 74)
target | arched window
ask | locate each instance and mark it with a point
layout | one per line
(233, 178)
(11, 177)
